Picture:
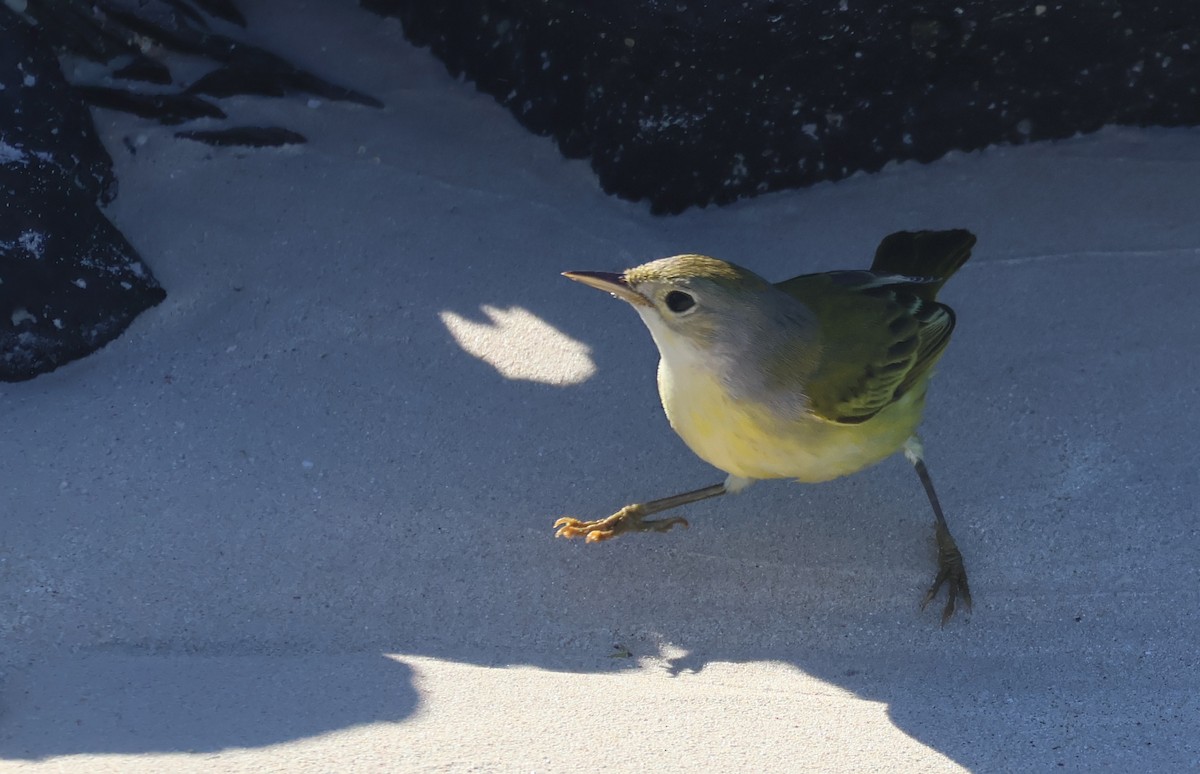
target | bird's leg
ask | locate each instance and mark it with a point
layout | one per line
(632, 518)
(951, 571)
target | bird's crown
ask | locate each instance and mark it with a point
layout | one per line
(683, 269)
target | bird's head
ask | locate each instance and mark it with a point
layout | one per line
(692, 297)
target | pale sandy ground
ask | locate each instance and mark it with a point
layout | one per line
(298, 517)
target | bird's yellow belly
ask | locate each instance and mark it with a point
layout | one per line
(753, 442)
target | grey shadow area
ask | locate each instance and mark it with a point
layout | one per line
(199, 583)
(133, 702)
(298, 469)
(427, 531)
(225, 554)
(406, 509)
(1054, 435)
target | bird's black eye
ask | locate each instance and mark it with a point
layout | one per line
(678, 301)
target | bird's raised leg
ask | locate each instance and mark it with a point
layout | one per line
(632, 518)
(951, 571)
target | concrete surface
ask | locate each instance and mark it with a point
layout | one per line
(299, 516)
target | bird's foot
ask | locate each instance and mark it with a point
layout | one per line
(952, 574)
(631, 518)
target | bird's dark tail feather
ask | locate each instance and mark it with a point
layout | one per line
(934, 255)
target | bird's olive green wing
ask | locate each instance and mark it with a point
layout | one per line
(878, 338)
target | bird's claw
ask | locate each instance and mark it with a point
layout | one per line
(628, 519)
(952, 574)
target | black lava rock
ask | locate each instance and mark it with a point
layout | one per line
(685, 103)
(246, 136)
(69, 281)
(120, 32)
(166, 108)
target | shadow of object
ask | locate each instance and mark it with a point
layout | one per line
(137, 703)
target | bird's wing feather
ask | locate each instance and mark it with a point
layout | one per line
(888, 335)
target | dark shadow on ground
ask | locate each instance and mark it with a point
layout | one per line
(139, 703)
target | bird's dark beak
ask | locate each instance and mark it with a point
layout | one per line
(609, 283)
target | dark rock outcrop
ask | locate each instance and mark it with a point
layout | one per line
(69, 281)
(685, 103)
(117, 31)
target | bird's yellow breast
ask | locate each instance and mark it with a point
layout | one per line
(753, 441)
